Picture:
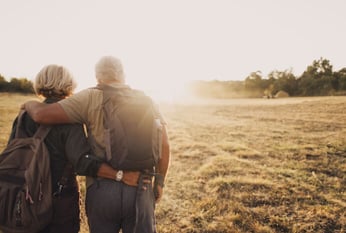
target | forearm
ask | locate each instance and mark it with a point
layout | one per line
(106, 171)
(163, 165)
(46, 113)
(90, 165)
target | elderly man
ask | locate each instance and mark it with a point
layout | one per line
(110, 205)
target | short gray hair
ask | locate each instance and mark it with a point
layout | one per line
(109, 68)
(54, 81)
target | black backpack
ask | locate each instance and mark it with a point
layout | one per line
(25, 182)
(133, 131)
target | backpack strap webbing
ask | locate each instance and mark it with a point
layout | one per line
(20, 132)
(108, 93)
(68, 169)
(40, 133)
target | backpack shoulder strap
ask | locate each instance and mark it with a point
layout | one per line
(19, 131)
(42, 132)
(109, 93)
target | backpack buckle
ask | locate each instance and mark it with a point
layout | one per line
(59, 191)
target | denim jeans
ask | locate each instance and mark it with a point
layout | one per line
(111, 206)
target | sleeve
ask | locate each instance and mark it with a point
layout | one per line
(78, 152)
(76, 106)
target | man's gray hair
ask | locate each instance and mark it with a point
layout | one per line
(109, 68)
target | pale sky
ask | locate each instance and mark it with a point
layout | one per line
(164, 44)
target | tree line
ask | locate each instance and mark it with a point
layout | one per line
(318, 79)
(20, 85)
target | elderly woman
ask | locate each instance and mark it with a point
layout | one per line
(66, 145)
(69, 152)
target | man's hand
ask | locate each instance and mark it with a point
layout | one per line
(131, 178)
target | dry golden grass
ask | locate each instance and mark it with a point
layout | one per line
(249, 165)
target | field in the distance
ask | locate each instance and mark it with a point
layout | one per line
(254, 165)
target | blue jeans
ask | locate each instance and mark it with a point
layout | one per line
(111, 206)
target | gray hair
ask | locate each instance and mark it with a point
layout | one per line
(109, 68)
(54, 81)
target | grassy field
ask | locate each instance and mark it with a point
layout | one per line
(248, 165)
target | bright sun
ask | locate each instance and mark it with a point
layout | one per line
(169, 92)
(160, 92)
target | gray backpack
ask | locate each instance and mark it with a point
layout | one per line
(133, 131)
(25, 182)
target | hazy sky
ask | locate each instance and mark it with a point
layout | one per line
(163, 44)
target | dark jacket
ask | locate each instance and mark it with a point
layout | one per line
(66, 143)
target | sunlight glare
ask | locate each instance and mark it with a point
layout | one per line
(172, 92)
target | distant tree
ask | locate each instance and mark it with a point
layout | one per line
(340, 76)
(255, 85)
(317, 79)
(284, 81)
(21, 85)
(3, 83)
(318, 69)
(253, 81)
